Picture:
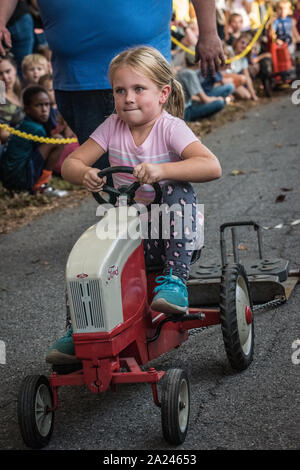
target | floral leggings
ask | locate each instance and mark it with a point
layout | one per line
(171, 237)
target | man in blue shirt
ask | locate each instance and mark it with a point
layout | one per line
(84, 37)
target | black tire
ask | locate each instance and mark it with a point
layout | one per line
(238, 333)
(175, 406)
(36, 424)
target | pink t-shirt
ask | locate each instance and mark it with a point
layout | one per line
(167, 139)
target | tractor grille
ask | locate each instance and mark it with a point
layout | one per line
(86, 299)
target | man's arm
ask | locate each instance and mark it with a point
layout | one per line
(7, 7)
(209, 47)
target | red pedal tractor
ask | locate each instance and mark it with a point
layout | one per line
(116, 332)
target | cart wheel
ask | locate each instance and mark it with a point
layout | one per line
(236, 316)
(35, 421)
(175, 406)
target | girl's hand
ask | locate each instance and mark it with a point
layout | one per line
(91, 180)
(148, 173)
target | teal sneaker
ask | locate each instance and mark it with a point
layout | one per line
(171, 295)
(62, 351)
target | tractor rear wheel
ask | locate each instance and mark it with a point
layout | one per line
(236, 316)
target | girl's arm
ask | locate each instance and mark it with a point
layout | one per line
(198, 165)
(77, 168)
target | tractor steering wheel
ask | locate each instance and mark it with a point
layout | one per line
(128, 191)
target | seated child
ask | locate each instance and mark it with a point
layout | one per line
(216, 85)
(148, 134)
(26, 164)
(198, 104)
(34, 66)
(11, 111)
(235, 26)
(245, 90)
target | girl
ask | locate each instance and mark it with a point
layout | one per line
(11, 112)
(146, 134)
(245, 89)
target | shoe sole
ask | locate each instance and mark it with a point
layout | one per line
(57, 357)
(162, 306)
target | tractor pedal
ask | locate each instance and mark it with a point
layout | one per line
(186, 317)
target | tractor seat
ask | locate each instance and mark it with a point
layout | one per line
(159, 267)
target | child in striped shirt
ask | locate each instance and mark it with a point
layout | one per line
(146, 134)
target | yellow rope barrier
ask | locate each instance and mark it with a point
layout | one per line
(36, 138)
(51, 140)
(245, 51)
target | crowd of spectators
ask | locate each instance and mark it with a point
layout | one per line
(237, 22)
(27, 66)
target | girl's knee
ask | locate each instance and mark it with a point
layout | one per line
(176, 189)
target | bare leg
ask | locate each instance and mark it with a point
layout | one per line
(242, 93)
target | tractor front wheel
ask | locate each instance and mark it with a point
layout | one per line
(175, 406)
(35, 417)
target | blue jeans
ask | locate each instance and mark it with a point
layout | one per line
(84, 111)
(22, 38)
(198, 110)
(222, 90)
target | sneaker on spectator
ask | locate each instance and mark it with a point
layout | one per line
(49, 191)
(171, 295)
(62, 351)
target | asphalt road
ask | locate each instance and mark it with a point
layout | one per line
(255, 409)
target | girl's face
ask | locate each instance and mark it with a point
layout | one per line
(240, 45)
(8, 74)
(34, 72)
(138, 100)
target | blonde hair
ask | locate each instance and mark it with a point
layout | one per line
(151, 63)
(285, 3)
(33, 59)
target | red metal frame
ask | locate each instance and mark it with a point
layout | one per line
(115, 357)
(100, 374)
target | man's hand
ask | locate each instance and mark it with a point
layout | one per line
(148, 173)
(5, 40)
(209, 52)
